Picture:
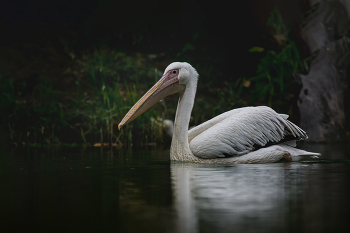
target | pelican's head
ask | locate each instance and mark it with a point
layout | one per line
(174, 80)
(186, 73)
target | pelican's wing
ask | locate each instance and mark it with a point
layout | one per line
(240, 131)
(192, 133)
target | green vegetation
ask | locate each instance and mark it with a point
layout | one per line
(275, 70)
(90, 113)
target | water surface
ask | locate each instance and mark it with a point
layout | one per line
(140, 190)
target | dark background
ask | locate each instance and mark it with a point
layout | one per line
(220, 32)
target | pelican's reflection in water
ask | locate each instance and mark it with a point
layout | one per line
(233, 198)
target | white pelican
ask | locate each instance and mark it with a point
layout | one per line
(244, 135)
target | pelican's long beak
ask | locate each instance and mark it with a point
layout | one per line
(166, 86)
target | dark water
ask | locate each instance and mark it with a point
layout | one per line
(140, 190)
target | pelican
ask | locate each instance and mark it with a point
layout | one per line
(243, 135)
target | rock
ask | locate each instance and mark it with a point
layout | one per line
(322, 97)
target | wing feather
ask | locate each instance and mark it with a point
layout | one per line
(242, 132)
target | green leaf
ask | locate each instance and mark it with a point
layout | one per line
(256, 49)
(187, 46)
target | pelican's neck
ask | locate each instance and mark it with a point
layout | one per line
(180, 149)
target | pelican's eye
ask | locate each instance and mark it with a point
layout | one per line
(173, 73)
